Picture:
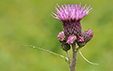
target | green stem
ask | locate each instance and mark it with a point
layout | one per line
(87, 59)
(66, 59)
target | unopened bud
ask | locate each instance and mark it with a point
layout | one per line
(71, 39)
(87, 35)
(65, 46)
(61, 36)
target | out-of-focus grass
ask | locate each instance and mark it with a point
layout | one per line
(29, 22)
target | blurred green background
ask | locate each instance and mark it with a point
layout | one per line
(29, 22)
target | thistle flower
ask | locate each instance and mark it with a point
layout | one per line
(70, 17)
(72, 34)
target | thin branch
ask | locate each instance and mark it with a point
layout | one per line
(42, 49)
(87, 59)
(68, 57)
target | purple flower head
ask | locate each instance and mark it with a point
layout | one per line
(70, 17)
(68, 13)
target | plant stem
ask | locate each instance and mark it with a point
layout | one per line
(74, 58)
(68, 57)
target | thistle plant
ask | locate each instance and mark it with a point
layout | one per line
(70, 16)
(72, 35)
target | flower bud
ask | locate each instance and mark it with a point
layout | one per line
(61, 36)
(71, 39)
(87, 35)
(65, 46)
